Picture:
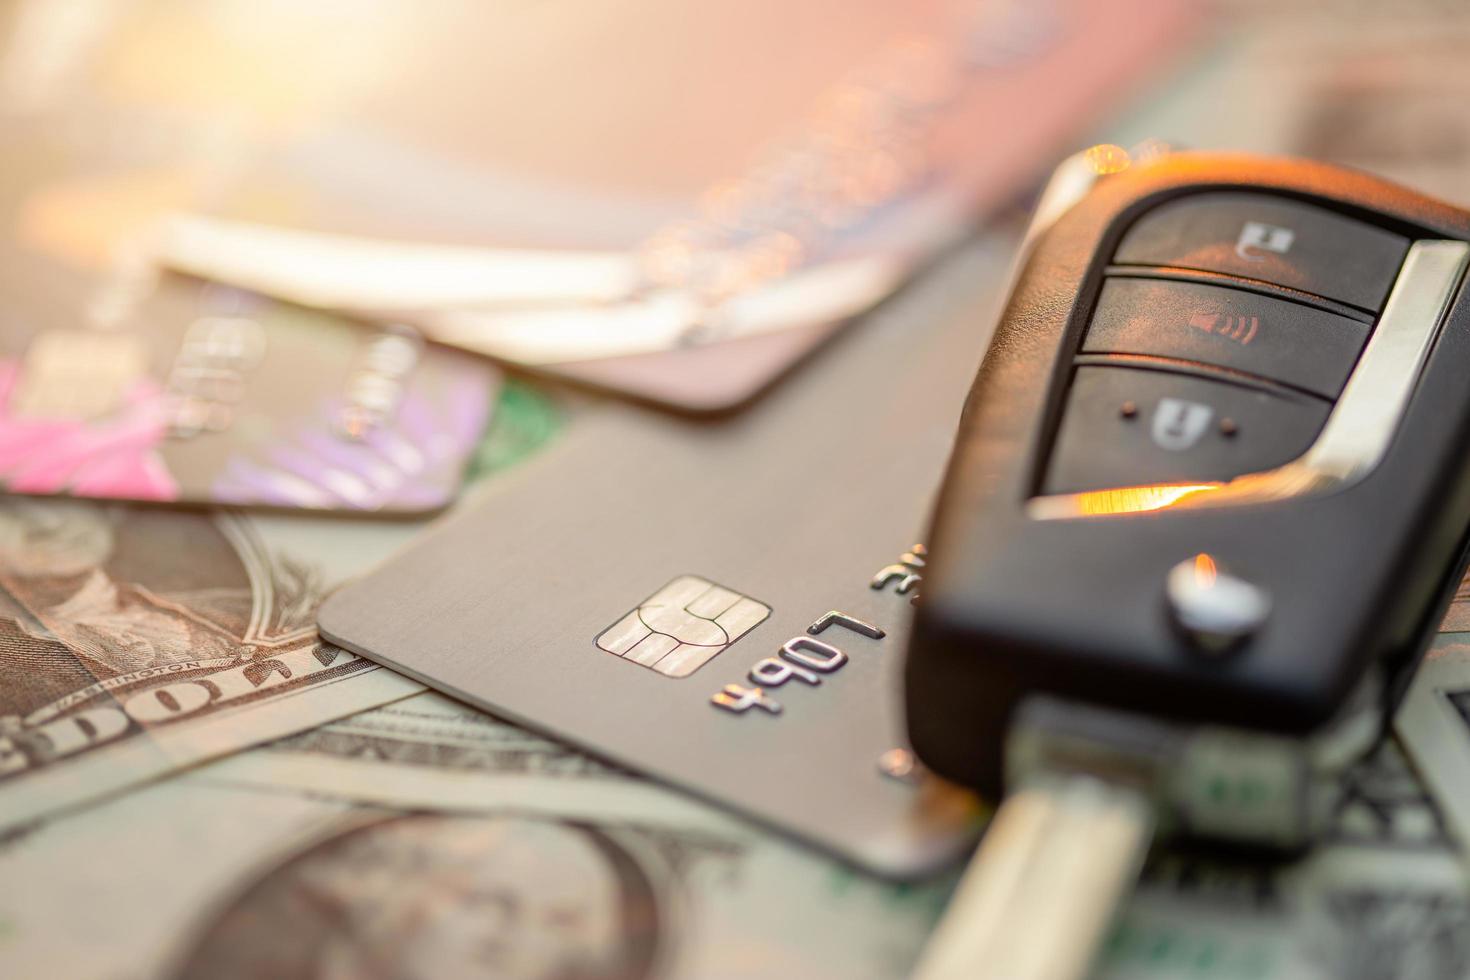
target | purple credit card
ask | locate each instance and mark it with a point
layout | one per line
(209, 394)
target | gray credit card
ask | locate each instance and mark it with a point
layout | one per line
(656, 590)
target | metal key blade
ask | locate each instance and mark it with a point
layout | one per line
(1039, 893)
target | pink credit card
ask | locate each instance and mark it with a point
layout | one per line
(217, 396)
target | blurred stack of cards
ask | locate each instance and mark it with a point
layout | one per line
(238, 268)
(680, 222)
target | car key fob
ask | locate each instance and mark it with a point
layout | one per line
(1209, 494)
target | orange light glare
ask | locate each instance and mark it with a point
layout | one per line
(1205, 571)
(1107, 158)
(1134, 500)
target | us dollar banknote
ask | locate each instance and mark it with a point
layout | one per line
(134, 642)
(422, 839)
(425, 840)
(1382, 897)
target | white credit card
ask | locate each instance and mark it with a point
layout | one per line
(665, 196)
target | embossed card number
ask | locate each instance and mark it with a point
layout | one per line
(804, 658)
(801, 658)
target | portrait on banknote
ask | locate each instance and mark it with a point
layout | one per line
(424, 896)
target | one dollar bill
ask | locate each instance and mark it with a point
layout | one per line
(426, 840)
(137, 642)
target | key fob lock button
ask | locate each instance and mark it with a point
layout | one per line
(1132, 426)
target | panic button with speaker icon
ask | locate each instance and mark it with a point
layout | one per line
(1291, 343)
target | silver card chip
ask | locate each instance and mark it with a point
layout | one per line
(683, 626)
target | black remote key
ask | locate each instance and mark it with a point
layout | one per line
(1207, 504)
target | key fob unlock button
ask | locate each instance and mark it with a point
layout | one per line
(1273, 239)
(1128, 427)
